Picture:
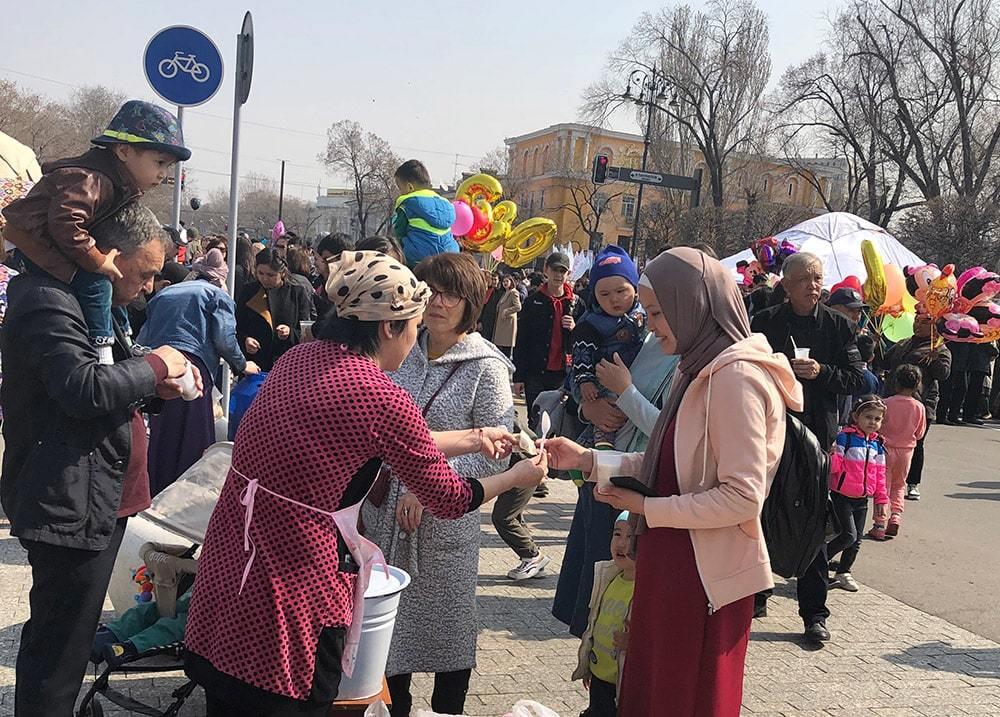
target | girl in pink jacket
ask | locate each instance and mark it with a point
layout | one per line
(905, 423)
(857, 473)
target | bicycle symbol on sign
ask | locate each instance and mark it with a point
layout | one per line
(180, 62)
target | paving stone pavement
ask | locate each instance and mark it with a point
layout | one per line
(886, 659)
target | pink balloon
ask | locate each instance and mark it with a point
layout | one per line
(463, 218)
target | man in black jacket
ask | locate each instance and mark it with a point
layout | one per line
(544, 326)
(833, 367)
(74, 466)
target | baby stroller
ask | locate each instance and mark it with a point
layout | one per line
(156, 626)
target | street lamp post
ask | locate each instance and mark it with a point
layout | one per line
(650, 87)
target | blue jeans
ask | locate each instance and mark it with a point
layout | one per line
(93, 291)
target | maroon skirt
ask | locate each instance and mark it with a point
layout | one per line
(681, 661)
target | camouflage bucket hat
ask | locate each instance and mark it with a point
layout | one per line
(146, 126)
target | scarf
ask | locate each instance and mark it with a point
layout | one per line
(372, 286)
(703, 307)
(556, 360)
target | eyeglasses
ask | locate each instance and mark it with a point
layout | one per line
(447, 299)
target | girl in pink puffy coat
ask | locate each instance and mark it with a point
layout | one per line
(857, 473)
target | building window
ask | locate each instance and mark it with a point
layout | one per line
(790, 187)
(545, 160)
(628, 207)
(527, 171)
(541, 202)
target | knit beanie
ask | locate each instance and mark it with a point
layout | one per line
(613, 261)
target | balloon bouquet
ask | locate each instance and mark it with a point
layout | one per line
(962, 309)
(484, 223)
(769, 255)
(884, 291)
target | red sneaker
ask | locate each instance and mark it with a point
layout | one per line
(877, 532)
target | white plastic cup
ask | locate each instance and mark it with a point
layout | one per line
(801, 353)
(189, 389)
(306, 330)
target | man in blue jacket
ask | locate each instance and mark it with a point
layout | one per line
(423, 218)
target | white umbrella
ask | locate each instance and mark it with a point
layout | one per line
(836, 239)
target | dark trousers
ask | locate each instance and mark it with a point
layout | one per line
(850, 515)
(603, 699)
(952, 397)
(973, 406)
(66, 599)
(536, 383)
(917, 463)
(448, 698)
(508, 519)
(811, 590)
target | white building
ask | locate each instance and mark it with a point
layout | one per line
(338, 212)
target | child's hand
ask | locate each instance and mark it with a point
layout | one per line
(282, 332)
(108, 268)
(620, 638)
(589, 392)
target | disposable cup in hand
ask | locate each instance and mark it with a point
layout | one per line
(306, 330)
(802, 353)
(189, 389)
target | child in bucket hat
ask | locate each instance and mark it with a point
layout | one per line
(51, 224)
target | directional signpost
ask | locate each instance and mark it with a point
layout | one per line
(604, 172)
(184, 67)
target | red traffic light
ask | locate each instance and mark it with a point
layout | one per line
(600, 175)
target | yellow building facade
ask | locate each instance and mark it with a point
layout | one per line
(549, 172)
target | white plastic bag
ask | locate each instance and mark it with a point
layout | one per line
(377, 709)
(530, 708)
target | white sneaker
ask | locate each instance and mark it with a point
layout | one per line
(529, 568)
(844, 581)
(912, 492)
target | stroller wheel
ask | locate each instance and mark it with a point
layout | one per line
(94, 709)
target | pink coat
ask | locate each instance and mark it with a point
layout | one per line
(729, 436)
(857, 465)
(321, 415)
(905, 422)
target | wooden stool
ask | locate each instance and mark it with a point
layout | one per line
(343, 708)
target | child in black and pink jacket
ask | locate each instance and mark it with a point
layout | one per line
(857, 473)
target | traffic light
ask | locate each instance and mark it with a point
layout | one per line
(600, 169)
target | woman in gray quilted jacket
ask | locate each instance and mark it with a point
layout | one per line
(460, 381)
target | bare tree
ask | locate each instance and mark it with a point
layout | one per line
(715, 63)
(586, 201)
(498, 163)
(258, 209)
(368, 162)
(89, 110)
(837, 103)
(940, 64)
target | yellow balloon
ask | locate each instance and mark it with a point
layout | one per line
(875, 286)
(528, 241)
(479, 186)
(504, 215)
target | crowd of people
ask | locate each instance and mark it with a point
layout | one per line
(387, 419)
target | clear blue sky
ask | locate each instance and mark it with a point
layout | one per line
(432, 78)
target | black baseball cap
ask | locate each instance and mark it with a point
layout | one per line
(558, 259)
(846, 296)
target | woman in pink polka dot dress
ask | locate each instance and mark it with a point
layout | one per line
(274, 598)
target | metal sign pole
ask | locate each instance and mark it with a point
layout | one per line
(241, 91)
(175, 216)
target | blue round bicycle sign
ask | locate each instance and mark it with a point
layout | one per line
(183, 66)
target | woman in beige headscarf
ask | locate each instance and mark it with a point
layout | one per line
(716, 446)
